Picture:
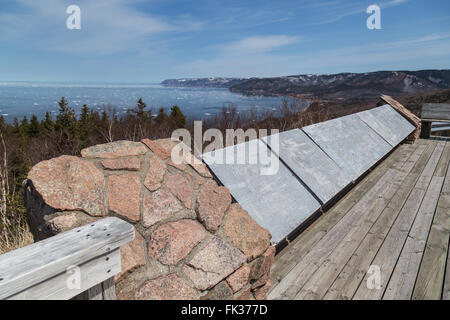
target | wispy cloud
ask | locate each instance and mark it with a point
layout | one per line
(107, 26)
(339, 10)
(427, 51)
(258, 44)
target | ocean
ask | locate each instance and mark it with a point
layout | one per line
(18, 99)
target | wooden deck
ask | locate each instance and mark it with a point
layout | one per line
(388, 238)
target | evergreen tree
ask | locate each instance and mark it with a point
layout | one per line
(34, 127)
(47, 124)
(3, 124)
(24, 123)
(139, 110)
(66, 120)
(161, 117)
(85, 127)
(16, 125)
(177, 117)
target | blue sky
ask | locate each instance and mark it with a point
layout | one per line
(142, 41)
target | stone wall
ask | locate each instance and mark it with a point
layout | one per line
(191, 241)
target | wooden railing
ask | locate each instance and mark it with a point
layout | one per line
(433, 115)
(80, 263)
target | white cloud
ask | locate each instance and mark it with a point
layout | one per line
(258, 44)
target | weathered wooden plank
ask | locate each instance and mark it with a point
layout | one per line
(435, 111)
(351, 143)
(389, 252)
(388, 123)
(262, 195)
(313, 166)
(401, 283)
(291, 255)
(109, 289)
(75, 280)
(95, 293)
(431, 275)
(297, 277)
(354, 271)
(442, 166)
(446, 186)
(28, 266)
(323, 278)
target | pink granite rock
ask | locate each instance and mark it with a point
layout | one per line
(132, 256)
(197, 165)
(173, 241)
(168, 144)
(179, 166)
(262, 292)
(261, 281)
(240, 230)
(155, 174)
(265, 262)
(195, 180)
(124, 195)
(181, 188)
(239, 278)
(158, 206)
(62, 223)
(214, 262)
(114, 149)
(169, 287)
(132, 164)
(70, 183)
(160, 152)
(244, 294)
(201, 169)
(213, 201)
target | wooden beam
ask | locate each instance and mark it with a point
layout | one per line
(439, 111)
(83, 280)
(26, 267)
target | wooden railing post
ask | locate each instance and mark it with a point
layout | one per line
(105, 290)
(425, 132)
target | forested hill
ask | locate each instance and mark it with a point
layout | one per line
(348, 85)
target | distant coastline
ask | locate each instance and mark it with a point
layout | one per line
(341, 86)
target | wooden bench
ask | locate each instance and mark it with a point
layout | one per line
(433, 112)
(80, 263)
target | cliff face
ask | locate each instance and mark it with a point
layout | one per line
(191, 242)
(348, 85)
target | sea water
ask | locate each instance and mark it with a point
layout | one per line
(18, 99)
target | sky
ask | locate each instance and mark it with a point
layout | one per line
(147, 41)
